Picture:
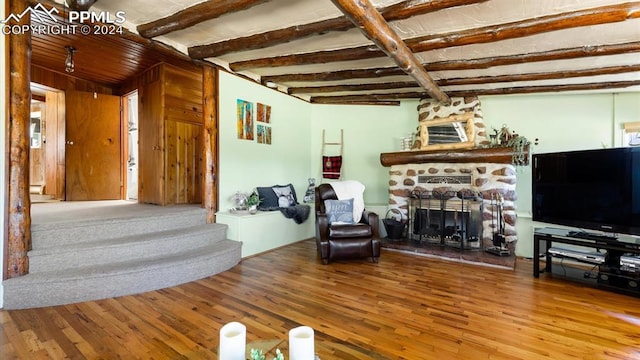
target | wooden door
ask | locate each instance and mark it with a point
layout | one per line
(93, 169)
(184, 162)
(55, 173)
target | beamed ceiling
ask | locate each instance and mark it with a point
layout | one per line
(373, 51)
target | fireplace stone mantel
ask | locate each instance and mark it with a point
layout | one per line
(495, 155)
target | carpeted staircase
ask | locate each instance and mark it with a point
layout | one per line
(74, 261)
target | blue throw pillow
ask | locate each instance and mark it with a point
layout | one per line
(339, 211)
(268, 199)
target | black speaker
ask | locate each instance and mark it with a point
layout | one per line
(628, 283)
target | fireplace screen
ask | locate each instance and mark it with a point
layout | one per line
(452, 218)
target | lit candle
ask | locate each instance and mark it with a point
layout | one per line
(301, 343)
(233, 338)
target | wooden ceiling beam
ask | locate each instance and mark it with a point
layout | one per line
(550, 88)
(553, 75)
(558, 54)
(402, 10)
(486, 34)
(194, 15)
(595, 16)
(478, 92)
(371, 102)
(357, 87)
(471, 64)
(368, 97)
(363, 14)
(316, 57)
(334, 75)
(468, 80)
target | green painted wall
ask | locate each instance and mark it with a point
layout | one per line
(368, 131)
(559, 121)
(246, 164)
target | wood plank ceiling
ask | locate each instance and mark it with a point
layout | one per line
(382, 51)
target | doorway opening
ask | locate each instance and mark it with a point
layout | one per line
(46, 118)
(131, 150)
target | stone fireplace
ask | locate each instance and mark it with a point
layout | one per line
(490, 181)
(486, 173)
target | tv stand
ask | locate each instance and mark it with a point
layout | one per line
(612, 273)
(591, 236)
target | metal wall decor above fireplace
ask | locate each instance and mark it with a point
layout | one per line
(446, 179)
(448, 217)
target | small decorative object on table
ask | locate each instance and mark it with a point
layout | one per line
(310, 195)
(258, 355)
(240, 199)
(233, 338)
(508, 138)
(253, 201)
(301, 343)
(245, 202)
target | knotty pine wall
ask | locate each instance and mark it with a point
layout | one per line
(63, 82)
(171, 130)
(54, 147)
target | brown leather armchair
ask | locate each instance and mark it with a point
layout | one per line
(344, 241)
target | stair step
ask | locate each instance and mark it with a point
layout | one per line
(84, 251)
(59, 287)
(75, 232)
(37, 198)
(132, 247)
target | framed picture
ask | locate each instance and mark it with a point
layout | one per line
(263, 134)
(263, 113)
(244, 122)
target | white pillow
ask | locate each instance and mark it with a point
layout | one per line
(285, 196)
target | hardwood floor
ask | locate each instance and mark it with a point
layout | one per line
(405, 307)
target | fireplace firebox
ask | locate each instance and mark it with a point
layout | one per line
(450, 218)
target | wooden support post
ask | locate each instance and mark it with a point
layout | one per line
(364, 15)
(19, 204)
(210, 144)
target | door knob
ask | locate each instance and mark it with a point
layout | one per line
(69, 142)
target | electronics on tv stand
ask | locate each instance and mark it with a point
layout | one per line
(630, 263)
(591, 236)
(584, 256)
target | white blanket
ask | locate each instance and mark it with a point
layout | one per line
(351, 189)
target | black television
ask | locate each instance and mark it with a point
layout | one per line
(588, 189)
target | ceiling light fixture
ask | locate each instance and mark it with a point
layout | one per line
(69, 65)
(80, 5)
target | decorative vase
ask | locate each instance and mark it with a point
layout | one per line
(253, 209)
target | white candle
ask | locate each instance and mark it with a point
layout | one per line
(301, 343)
(233, 339)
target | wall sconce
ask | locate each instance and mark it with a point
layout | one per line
(69, 65)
